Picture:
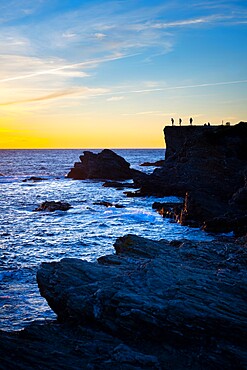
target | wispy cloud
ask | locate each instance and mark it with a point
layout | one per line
(100, 36)
(41, 98)
(187, 22)
(115, 98)
(84, 92)
(55, 70)
(138, 91)
(149, 113)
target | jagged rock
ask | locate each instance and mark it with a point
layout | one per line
(33, 178)
(53, 206)
(207, 166)
(227, 224)
(218, 225)
(169, 210)
(118, 185)
(133, 194)
(104, 165)
(183, 294)
(153, 164)
(239, 198)
(108, 204)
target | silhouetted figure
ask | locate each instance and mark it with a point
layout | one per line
(208, 123)
(191, 121)
(228, 123)
(180, 121)
(205, 124)
(172, 121)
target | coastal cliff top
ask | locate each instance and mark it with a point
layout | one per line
(187, 137)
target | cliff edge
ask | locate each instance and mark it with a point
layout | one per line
(207, 165)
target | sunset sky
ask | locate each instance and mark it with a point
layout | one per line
(111, 74)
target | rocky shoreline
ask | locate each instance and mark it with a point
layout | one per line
(154, 304)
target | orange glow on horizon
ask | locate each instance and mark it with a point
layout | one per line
(65, 132)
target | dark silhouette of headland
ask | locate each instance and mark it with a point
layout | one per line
(207, 166)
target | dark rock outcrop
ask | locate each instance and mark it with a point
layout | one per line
(118, 185)
(104, 165)
(153, 164)
(184, 295)
(51, 206)
(33, 179)
(108, 204)
(169, 210)
(207, 166)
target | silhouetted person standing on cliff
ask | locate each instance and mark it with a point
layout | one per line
(172, 121)
(180, 121)
(191, 121)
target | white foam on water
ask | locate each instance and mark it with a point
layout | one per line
(130, 214)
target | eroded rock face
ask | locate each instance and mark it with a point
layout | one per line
(207, 166)
(104, 165)
(181, 293)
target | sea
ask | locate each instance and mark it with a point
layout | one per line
(86, 231)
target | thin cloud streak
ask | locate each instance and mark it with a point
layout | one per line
(41, 98)
(68, 66)
(84, 92)
(189, 22)
(99, 92)
(184, 87)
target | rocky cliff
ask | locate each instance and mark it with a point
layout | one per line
(208, 166)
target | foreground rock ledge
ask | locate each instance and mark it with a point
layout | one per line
(183, 294)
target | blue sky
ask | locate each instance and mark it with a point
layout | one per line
(85, 73)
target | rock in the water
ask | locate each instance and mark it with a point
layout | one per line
(118, 185)
(108, 204)
(153, 164)
(182, 294)
(169, 210)
(53, 206)
(33, 178)
(104, 165)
